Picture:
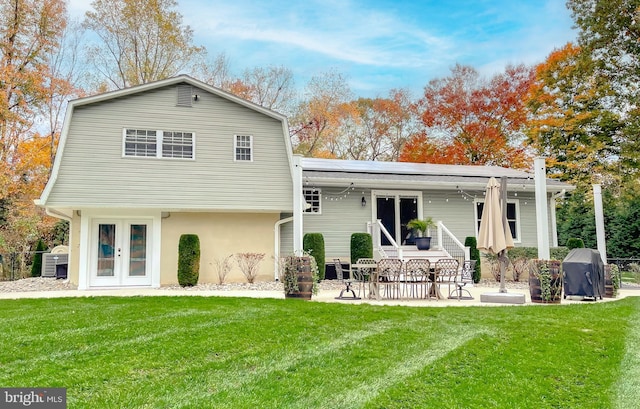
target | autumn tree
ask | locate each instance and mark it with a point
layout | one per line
(140, 41)
(31, 33)
(467, 119)
(272, 87)
(572, 124)
(609, 33)
(375, 128)
(314, 125)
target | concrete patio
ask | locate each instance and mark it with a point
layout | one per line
(325, 295)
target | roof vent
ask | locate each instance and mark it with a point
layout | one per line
(185, 93)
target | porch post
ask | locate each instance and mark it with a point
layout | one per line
(542, 218)
(597, 205)
(297, 204)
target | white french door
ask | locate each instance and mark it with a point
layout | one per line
(121, 253)
(394, 209)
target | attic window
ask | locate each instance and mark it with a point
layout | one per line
(185, 95)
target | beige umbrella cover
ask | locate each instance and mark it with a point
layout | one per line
(494, 235)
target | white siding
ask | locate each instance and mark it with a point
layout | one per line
(93, 172)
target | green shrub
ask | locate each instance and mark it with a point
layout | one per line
(361, 246)
(575, 243)
(558, 253)
(474, 254)
(188, 260)
(36, 266)
(313, 244)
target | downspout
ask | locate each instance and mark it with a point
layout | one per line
(276, 246)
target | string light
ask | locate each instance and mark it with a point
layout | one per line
(339, 195)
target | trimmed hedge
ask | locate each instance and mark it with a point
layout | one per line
(575, 243)
(313, 244)
(474, 254)
(188, 260)
(36, 266)
(361, 246)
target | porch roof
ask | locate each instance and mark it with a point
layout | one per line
(375, 174)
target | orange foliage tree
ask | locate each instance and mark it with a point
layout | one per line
(572, 124)
(468, 120)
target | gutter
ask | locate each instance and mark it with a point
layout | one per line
(276, 245)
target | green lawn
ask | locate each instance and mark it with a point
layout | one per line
(193, 352)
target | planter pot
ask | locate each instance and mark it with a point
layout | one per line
(298, 269)
(608, 283)
(423, 243)
(545, 288)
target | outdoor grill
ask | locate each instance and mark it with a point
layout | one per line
(583, 271)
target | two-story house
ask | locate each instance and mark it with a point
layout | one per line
(137, 168)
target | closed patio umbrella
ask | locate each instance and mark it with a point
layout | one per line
(494, 235)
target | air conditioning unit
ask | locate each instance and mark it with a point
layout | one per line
(49, 262)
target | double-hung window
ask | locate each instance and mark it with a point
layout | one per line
(513, 220)
(243, 148)
(312, 200)
(158, 144)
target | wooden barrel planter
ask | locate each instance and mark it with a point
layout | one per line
(553, 277)
(608, 282)
(298, 274)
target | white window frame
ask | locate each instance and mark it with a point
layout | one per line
(396, 195)
(159, 144)
(236, 147)
(313, 197)
(516, 202)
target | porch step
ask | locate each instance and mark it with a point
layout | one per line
(432, 255)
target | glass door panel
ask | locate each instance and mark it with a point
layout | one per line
(386, 212)
(408, 211)
(138, 250)
(106, 250)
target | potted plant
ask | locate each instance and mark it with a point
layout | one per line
(545, 281)
(421, 228)
(300, 277)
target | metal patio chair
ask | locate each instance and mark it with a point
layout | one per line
(466, 277)
(417, 273)
(446, 271)
(348, 281)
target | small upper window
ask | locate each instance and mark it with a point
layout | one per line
(158, 144)
(243, 148)
(312, 200)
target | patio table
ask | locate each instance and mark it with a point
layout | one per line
(364, 272)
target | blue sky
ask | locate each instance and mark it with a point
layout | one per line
(377, 44)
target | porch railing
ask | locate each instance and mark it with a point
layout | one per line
(445, 240)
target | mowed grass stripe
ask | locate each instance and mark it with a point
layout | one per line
(256, 383)
(83, 349)
(370, 388)
(279, 360)
(628, 385)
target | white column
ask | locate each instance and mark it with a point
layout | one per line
(542, 218)
(597, 206)
(297, 204)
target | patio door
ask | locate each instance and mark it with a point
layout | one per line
(121, 253)
(395, 209)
